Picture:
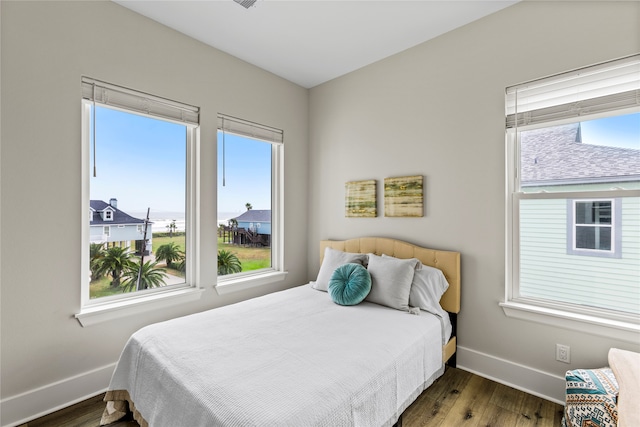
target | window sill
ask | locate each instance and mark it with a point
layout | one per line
(231, 285)
(616, 329)
(98, 313)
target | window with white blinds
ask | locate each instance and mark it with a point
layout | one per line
(127, 99)
(604, 88)
(139, 173)
(248, 129)
(573, 192)
(250, 192)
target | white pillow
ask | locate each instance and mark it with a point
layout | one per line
(391, 281)
(332, 260)
(428, 286)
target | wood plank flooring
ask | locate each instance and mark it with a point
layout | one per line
(458, 398)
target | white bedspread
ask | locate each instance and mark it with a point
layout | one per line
(291, 358)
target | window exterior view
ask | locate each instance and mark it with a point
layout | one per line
(138, 165)
(568, 242)
(248, 159)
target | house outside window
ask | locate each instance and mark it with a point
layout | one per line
(573, 198)
(139, 157)
(249, 200)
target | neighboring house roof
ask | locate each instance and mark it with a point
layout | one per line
(556, 155)
(119, 217)
(255, 216)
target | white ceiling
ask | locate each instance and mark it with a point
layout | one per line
(310, 42)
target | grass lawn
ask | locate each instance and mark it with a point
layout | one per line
(102, 288)
(178, 239)
(251, 259)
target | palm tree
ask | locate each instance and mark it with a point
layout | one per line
(248, 206)
(182, 265)
(169, 252)
(96, 252)
(151, 276)
(113, 262)
(228, 263)
(172, 227)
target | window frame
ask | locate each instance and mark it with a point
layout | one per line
(113, 307)
(606, 89)
(245, 280)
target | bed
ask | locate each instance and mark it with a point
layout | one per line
(296, 357)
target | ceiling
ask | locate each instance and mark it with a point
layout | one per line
(310, 42)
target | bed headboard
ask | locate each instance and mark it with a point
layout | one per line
(447, 261)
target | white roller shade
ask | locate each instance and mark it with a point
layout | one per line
(250, 129)
(120, 97)
(613, 85)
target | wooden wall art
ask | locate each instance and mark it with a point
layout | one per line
(403, 196)
(360, 199)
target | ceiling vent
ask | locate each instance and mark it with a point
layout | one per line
(246, 3)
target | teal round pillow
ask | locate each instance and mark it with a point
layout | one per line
(349, 284)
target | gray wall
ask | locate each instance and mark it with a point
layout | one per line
(437, 110)
(46, 48)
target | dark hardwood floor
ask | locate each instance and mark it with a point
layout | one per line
(458, 398)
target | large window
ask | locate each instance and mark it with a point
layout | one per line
(573, 194)
(249, 194)
(138, 175)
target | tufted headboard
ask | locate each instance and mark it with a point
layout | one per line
(447, 261)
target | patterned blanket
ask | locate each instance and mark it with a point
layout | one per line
(591, 398)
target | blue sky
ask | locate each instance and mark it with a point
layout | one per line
(247, 173)
(617, 131)
(140, 161)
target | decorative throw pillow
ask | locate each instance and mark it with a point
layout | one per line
(427, 287)
(418, 264)
(332, 260)
(590, 396)
(349, 284)
(391, 281)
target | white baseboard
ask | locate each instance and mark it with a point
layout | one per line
(538, 383)
(19, 409)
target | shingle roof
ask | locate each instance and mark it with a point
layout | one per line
(556, 155)
(119, 217)
(255, 215)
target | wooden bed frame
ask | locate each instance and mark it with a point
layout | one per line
(447, 261)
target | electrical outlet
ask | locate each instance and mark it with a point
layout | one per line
(563, 353)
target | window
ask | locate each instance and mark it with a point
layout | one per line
(595, 227)
(249, 199)
(573, 196)
(138, 170)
